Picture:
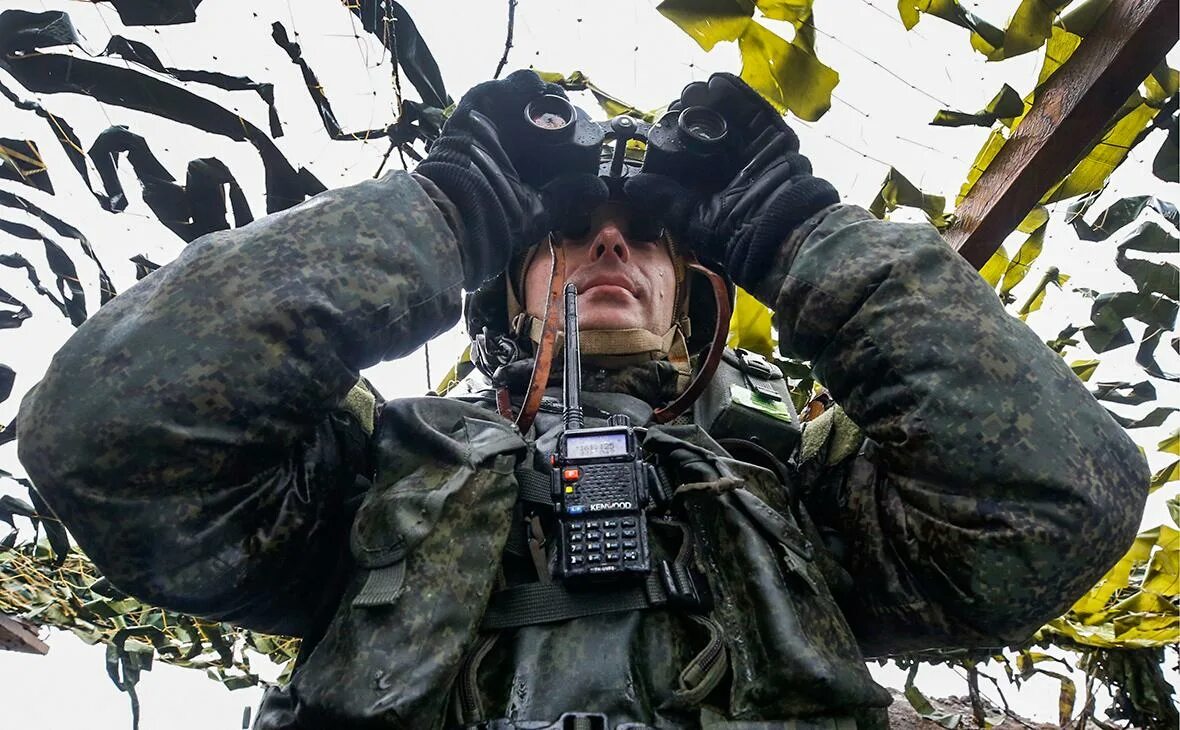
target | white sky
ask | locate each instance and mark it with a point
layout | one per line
(626, 48)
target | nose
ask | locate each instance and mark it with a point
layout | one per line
(610, 241)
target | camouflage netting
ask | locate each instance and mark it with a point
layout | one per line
(1120, 627)
(70, 595)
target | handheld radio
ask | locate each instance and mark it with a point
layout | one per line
(599, 482)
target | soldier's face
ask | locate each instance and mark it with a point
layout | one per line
(623, 281)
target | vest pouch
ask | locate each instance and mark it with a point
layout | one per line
(791, 653)
(427, 551)
(748, 398)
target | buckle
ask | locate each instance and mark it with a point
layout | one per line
(680, 585)
(581, 721)
(767, 393)
(658, 485)
(754, 364)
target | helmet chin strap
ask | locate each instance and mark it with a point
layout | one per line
(716, 347)
(616, 348)
(547, 345)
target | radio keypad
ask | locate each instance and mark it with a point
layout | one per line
(600, 543)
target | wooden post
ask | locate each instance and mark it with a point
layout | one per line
(17, 635)
(1069, 111)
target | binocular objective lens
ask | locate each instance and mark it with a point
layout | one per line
(549, 113)
(702, 124)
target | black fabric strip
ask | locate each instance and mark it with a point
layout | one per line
(10, 319)
(106, 290)
(390, 22)
(61, 130)
(22, 34)
(141, 53)
(20, 160)
(7, 378)
(16, 261)
(68, 286)
(542, 603)
(534, 486)
(189, 210)
(156, 12)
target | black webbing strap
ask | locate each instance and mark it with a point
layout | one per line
(542, 603)
(517, 543)
(534, 486)
(670, 584)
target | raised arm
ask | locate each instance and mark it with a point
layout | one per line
(194, 434)
(992, 489)
(202, 436)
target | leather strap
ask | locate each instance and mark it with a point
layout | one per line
(544, 359)
(716, 348)
(504, 402)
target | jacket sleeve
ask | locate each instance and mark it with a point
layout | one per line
(990, 489)
(197, 436)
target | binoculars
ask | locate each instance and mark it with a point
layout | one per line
(685, 144)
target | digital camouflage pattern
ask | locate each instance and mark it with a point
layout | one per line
(204, 455)
(988, 464)
(425, 543)
(208, 465)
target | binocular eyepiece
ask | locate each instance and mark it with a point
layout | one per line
(696, 124)
(550, 113)
(702, 125)
(561, 139)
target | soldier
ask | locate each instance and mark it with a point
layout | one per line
(208, 441)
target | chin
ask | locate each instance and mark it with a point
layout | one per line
(602, 308)
(608, 321)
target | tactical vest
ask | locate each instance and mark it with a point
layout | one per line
(453, 619)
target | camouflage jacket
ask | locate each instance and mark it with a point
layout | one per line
(198, 437)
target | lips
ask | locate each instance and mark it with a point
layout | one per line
(597, 279)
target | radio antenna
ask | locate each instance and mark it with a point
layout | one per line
(572, 415)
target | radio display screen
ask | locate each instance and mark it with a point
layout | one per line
(596, 445)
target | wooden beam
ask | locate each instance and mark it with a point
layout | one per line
(1069, 111)
(17, 635)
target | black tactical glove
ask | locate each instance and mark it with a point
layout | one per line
(472, 164)
(745, 224)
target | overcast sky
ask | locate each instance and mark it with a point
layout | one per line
(877, 120)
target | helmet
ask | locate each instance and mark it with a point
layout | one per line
(501, 333)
